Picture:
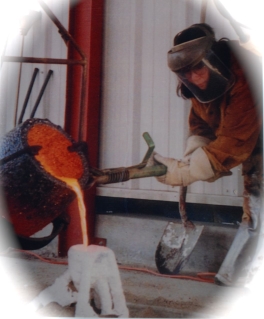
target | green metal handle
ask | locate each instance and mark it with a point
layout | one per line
(122, 174)
(151, 146)
(125, 174)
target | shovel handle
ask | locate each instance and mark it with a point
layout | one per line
(182, 207)
(182, 203)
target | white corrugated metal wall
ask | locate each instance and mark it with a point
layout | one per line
(138, 89)
(41, 41)
(139, 95)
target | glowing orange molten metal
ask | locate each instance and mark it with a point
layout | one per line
(66, 166)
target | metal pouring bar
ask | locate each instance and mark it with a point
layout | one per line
(122, 174)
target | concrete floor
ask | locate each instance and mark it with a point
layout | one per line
(147, 295)
(134, 241)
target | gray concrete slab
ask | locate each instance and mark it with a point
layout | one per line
(147, 295)
(134, 240)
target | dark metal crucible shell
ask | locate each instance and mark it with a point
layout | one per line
(33, 196)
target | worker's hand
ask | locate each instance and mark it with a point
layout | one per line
(182, 173)
(177, 171)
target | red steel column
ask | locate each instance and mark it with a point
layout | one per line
(86, 27)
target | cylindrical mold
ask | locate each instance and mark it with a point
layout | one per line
(34, 196)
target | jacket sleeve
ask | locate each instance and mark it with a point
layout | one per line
(239, 128)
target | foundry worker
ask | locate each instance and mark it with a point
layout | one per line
(225, 123)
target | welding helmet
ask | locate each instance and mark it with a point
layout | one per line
(195, 58)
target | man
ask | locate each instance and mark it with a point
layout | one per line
(225, 124)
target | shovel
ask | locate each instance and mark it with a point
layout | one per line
(177, 243)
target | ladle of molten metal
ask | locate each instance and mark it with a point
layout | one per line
(41, 168)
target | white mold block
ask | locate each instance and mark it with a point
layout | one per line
(90, 267)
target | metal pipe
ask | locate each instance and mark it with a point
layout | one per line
(124, 174)
(41, 93)
(65, 34)
(41, 60)
(19, 80)
(82, 117)
(36, 70)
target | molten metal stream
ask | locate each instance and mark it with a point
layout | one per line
(66, 166)
(75, 186)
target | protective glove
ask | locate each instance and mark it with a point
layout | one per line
(194, 142)
(176, 171)
(181, 173)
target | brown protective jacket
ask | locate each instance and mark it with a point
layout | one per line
(233, 123)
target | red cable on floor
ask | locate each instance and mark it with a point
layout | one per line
(47, 260)
(200, 276)
(207, 277)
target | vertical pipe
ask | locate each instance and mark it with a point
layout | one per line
(36, 70)
(83, 100)
(19, 80)
(81, 133)
(41, 93)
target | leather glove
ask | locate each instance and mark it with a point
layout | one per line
(194, 142)
(180, 173)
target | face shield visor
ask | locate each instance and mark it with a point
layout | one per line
(200, 70)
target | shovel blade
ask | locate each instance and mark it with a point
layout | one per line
(175, 247)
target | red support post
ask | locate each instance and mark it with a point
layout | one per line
(83, 105)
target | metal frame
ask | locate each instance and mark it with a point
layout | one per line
(67, 37)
